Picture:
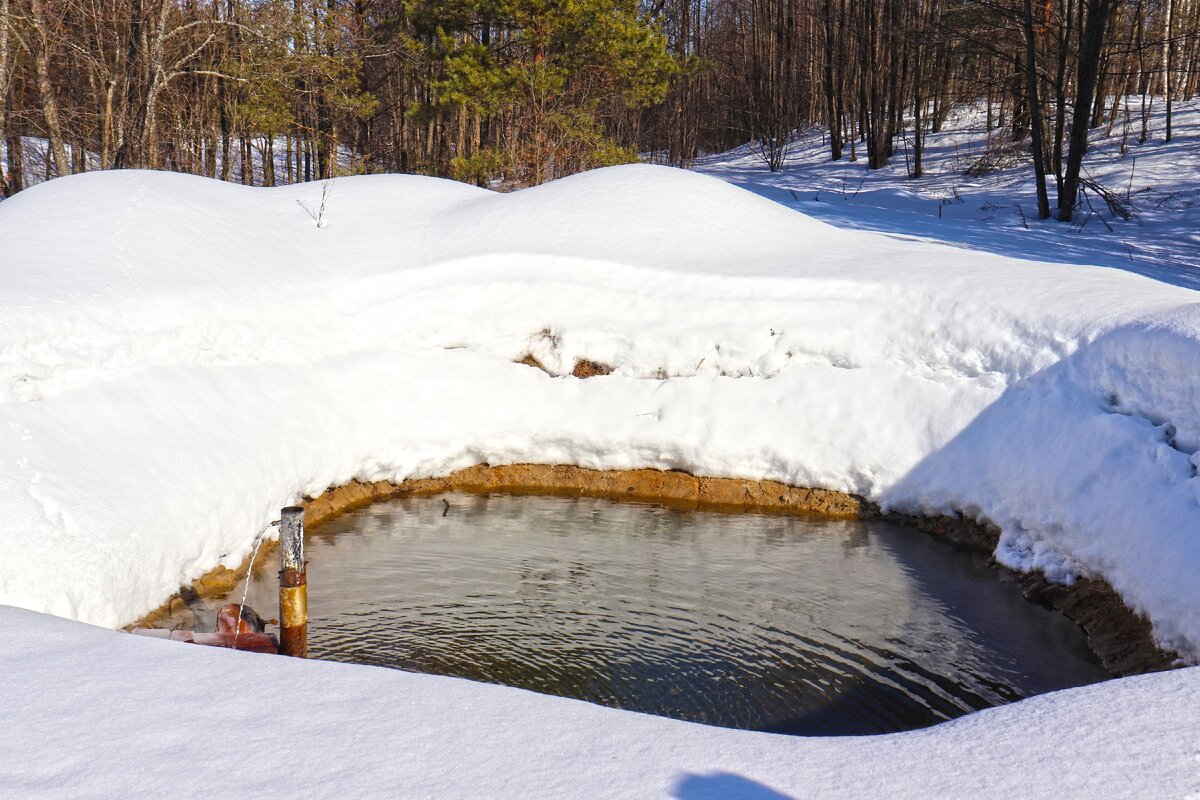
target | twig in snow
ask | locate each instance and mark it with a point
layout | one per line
(318, 216)
(1083, 182)
(1169, 199)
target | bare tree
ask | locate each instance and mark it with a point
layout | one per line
(4, 79)
(1085, 87)
(41, 64)
(1168, 52)
(211, 86)
(1035, 113)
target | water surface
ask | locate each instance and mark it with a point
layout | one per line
(799, 625)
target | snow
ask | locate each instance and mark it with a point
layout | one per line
(110, 715)
(231, 357)
(179, 358)
(997, 211)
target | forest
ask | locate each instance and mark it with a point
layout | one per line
(511, 93)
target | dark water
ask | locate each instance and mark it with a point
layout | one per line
(795, 625)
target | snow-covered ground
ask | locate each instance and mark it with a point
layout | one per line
(92, 713)
(231, 356)
(179, 358)
(997, 211)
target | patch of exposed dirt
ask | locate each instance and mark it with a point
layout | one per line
(590, 369)
(529, 361)
(1121, 638)
(584, 368)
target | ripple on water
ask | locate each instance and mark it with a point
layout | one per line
(790, 624)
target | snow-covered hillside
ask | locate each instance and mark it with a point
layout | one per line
(979, 193)
(179, 358)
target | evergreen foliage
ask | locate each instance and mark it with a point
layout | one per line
(550, 77)
(510, 93)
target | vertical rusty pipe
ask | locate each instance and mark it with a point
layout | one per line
(293, 584)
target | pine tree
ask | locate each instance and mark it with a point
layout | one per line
(553, 79)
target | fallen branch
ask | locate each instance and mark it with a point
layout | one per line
(1118, 206)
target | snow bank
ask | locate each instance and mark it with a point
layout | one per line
(181, 357)
(996, 211)
(130, 716)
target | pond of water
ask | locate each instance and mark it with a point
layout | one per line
(800, 625)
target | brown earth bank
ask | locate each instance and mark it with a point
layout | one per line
(1120, 637)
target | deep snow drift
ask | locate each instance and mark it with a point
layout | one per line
(181, 357)
(104, 714)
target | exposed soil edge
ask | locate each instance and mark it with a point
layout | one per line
(1121, 638)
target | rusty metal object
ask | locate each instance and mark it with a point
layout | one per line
(238, 628)
(253, 642)
(238, 619)
(293, 584)
(293, 613)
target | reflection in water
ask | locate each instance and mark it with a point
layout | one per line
(789, 624)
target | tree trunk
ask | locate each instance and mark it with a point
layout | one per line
(16, 163)
(918, 84)
(106, 125)
(247, 156)
(1035, 113)
(1100, 93)
(832, 114)
(224, 120)
(1060, 92)
(1168, 50)
(4, 191)
(1085, 88)
(326, 161)
(136, 78)
(41, 67)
